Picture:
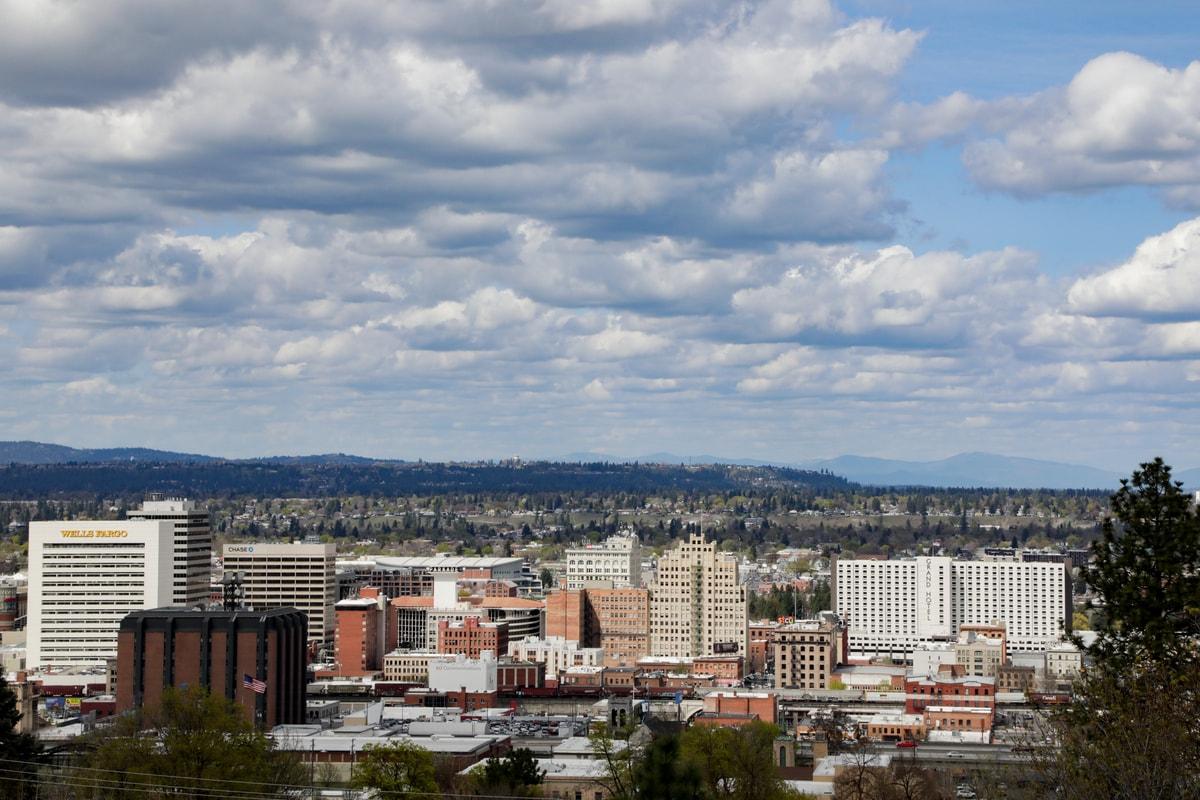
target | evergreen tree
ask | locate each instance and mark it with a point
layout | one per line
(515, 775)
(19, 752)
(1130, 730)
(1146, 572)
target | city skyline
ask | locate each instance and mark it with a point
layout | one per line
(463, 230)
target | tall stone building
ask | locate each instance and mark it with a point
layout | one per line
(698, 606)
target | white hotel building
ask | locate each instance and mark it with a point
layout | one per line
(894, 607)
(84, 577)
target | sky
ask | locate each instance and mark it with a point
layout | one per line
(471, 229)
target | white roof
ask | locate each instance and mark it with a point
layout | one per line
(446, 562)
(827, 766)
(562, 768)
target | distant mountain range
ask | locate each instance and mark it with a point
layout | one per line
(42, 453)
(963, 470)
(960, 471)
(970, 469)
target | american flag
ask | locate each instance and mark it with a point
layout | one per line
(254, 684)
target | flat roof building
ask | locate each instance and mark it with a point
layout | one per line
(192, 579)
(173, 647)
(698, 606)
(895, 607)
(616, 562)
(85, 576)
(289, 575)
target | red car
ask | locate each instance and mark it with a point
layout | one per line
(906, 743)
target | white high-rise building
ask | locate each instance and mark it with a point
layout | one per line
(616, 562)
(698, 605)
(301, 576)
(85, 576)
(894, 607)
(192, 580)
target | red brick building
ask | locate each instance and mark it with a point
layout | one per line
(359, 640)
(732, 709)
(941, 690)
(174, 647)
(512, 676)
(471, 637)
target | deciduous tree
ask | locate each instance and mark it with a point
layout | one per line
(397, 768)
(192, 744)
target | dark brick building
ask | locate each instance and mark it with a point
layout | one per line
(179, 647)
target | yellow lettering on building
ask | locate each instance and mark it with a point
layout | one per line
(94, 534)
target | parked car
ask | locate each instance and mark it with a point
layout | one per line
(906, 743)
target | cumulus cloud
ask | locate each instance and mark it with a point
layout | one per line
(895, 296)
(1122, 120)
(320, 112)
(548, 226)
(1161, 280)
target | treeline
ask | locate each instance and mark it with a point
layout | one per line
(254, 479)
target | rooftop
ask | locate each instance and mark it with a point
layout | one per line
(446, 562)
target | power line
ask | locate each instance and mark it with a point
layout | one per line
(84, 781)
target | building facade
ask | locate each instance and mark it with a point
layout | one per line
(192, 579)
(616, 562)
(894, 607)
(619, 622)
(555, 653)
(979, 655)
(84, 577)
(805, 654)
(360, 640)
(301, 576)
(698, 606)
(172, 647)
(472, 638)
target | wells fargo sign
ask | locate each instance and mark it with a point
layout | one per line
(95, 534)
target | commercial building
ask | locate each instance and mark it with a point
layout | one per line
(495, 567)
(471, 638)
(893, 607)
(360, 640)
(301, 576)
(1064, 662)
(405, 666)
(620, 619)
(979, 655)
(698, 606)
(192, 561)
(566, 614)
(616, 562)
(461, 673)
(556, 653)
(84, 577)
(805, 654)
(617, 620)
(948, 691)
(734, 709)
(172, 647)
(417, 619)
